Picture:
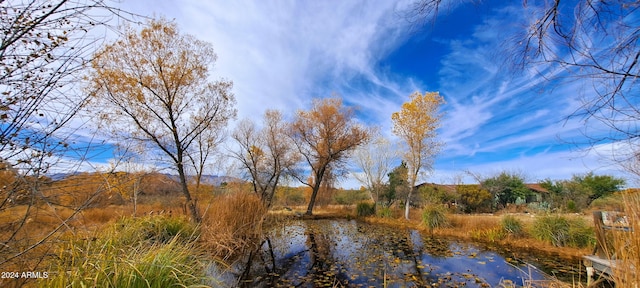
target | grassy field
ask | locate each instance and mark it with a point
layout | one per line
(83, 250)
(232, 223)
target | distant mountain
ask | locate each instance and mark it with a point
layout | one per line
(217, 180)
(214, 180)
(61, 176)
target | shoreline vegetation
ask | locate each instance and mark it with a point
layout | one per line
(108, 246)
(461, 226)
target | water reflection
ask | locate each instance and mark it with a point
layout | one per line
(338, 253)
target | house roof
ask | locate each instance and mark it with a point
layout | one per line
(537, 188)
(445, 187)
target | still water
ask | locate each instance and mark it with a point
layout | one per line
(342, 253)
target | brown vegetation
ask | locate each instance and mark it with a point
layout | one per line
(232, 223)
(324, 136)
(234, 218)
(78, 203)
(626, 243)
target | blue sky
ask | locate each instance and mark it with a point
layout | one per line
(282, 54)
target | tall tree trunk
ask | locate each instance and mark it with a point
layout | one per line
(272, 191)
(136, 189)
(195, 216)
(407, 204)
(315, 189)
(312, 201)
(412, 186)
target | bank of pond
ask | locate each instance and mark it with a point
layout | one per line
(350, 253)
(165, 251)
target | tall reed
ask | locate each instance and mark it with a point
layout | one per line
(364, 209)
(232, 223)
(512, 226)
(434, 216)
(626, 244)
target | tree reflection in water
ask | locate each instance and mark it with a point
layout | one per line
(340, 253)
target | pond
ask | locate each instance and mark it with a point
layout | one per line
(342, 253)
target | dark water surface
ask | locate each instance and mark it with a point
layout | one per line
(341, 253)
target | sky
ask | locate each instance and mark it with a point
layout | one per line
(282, 54)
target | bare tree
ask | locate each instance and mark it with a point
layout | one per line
(204, 148)
(133, 166)
(375, 160)
(598, 41)
(324, 136)
(151, 87)
(45, 46)
(265, 153)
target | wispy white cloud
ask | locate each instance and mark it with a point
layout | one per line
(281, 54)
(500, 120)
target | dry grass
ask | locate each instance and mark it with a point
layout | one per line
(232, 223)
(462, 224)
(488, 228)
(27, 225)
(627, 244)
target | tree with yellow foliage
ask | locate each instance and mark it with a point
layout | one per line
(152, 88)
(416, 125)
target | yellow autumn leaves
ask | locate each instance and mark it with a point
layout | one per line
(418, 118)
(416, 125)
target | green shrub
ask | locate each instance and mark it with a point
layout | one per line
(562, 231)
(572, 207)
(434, 216)
(364, 209)
(154, 229)
(512, 226)
(553, 229)
(385, 212)
(539, 206)
(581, 234)
(287, 196)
